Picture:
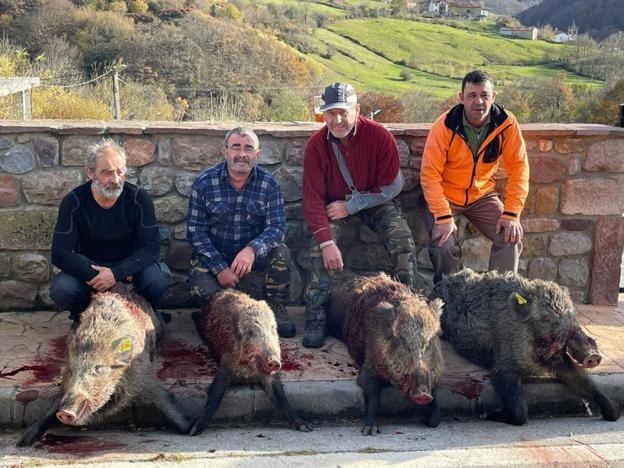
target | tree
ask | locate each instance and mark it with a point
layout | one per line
(385, 108)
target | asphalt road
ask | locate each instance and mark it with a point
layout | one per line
(583, 442)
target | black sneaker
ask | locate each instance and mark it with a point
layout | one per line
(314, 335)
(285, 326)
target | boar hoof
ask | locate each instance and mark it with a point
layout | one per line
(302, 426)
(197, 428)
(370, 430)
(29, 437)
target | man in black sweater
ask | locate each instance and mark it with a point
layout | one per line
(106, 232)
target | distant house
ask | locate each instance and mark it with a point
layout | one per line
(563, 37)
(525, 33)
(460, 8)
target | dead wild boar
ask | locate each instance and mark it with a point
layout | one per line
(392, 333)
(519, 327)
(109, 365)
(241, 333)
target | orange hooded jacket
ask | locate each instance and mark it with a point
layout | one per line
(449, 173)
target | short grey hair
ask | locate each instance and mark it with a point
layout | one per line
(94, 150)
(242, 131)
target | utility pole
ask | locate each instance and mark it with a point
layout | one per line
(116, 101)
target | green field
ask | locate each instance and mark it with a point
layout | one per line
(371, 53)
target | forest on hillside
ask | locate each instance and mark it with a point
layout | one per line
(597, 18)
(260, 60)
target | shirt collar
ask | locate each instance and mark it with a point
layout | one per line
(478, 131)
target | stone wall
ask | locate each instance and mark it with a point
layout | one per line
(574, 232)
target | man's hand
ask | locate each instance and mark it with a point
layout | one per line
(103, 280)
(512, 230)
(337, 210)
(243, 262)
(441, 232)
(227, 278)
(332, 258)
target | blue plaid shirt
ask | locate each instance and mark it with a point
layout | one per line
(222, 221)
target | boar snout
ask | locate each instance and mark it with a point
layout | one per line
(421, 397)
(66, 417)
(592, 360)
(72, 410)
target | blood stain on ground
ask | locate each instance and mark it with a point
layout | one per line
(77, 445)
(289, 365)
(183, 361)
(27, 396)
(469, 387)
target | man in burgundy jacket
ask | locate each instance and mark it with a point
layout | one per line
(370, 154)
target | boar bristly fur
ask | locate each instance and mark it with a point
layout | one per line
(110, 365)
(392, 333)
(241, 333)
(517, 328)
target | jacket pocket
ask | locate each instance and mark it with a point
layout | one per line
(492, 151)
(218, 214)
(254, 213)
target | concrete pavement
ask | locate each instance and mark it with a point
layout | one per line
(319, 382)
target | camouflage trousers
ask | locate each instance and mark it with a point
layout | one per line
(388, 221)
(269, 278)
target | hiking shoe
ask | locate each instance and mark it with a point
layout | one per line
(315, 329)
(285, 326)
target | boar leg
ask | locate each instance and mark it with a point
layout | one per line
(371, 386)
(216, 391)
(431, 412)
(164, 401)
(577, 380)
(275, 390)
(508, 386)
(35, 431)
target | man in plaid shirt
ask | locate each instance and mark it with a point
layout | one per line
(236, 224)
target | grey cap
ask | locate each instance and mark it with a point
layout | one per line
(338, 96)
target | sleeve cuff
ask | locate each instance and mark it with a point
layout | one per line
(323, 234)
(444, 218)
(510, 215)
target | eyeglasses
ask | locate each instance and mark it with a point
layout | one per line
(236, 148)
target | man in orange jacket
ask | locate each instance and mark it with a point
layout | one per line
(461, 157)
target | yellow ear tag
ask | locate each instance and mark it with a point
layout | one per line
(125, 345)
(521, 300)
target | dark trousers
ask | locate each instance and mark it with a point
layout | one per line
(272, 271)
(484, 214)
(72, 294)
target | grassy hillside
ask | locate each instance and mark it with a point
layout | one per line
(373, 52)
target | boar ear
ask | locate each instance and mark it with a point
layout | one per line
(520, 302)
(436, 306)
(386, 315)
(122, 347)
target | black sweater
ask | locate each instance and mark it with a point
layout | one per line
(124, 237)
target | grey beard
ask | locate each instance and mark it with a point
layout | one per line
(107, 193)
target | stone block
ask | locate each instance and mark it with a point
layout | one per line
(294, 152)
(574, 166)
(22, 138)
(171, 209)
(534, 245)
(31, 267)
(293, 210)
(574, 272)
(44, 295)
(17, 295)
(530, 145)
(404, 153)
(164, 151)
(576, 224)
(546, 169)
(5, 264)
(297, 235)
(184, 182)
(546, 200)
(179, 256)
(8, 191)
(27, 229)
(74, 150)
(196, 152)
(539, 224)
(605, 156)
(271, 151)
(578, 196)
(46, 150)
(412, 180)
(570, 145)
(179, 231)
(476, 253)
(157, 181)
(569, 243)
(608, 246)
(543, 268)
(290, 181)
(5, 143)
(417, 147)
(49, 188)
(139, 151)
(545, 146)
(17, 160)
